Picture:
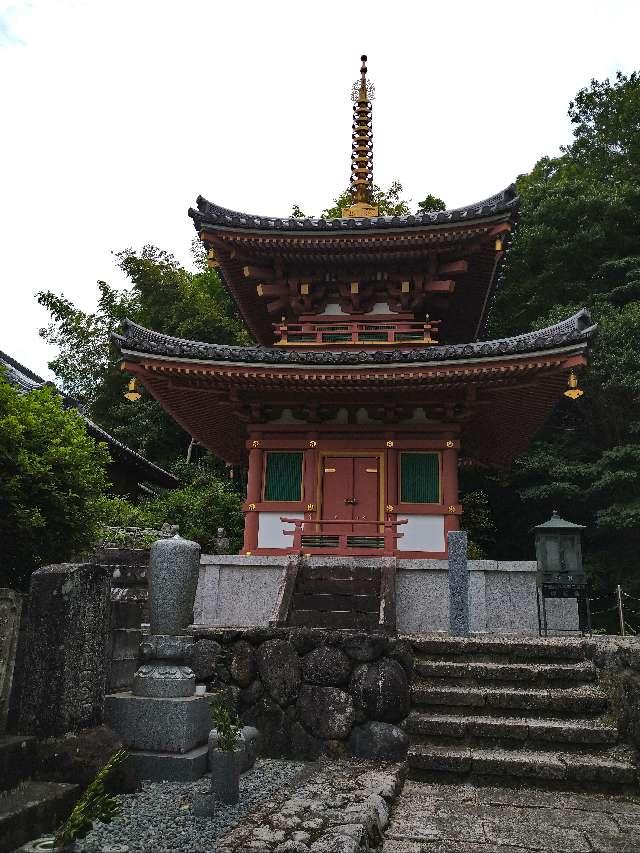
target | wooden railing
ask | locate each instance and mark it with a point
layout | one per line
(319, 535)
(392, 333)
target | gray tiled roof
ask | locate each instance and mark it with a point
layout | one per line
(221, 217)
(136, 339)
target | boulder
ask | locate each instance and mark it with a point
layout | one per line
(268, 717)
(403, 653)
(243, 663)
(203, 659)
(279, 668)
(252, 693)
(326, 712)
(380, 691)
(326, 666)
(365, 647)
(379, 742)
(303, 744)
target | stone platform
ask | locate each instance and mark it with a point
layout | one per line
(245, 591)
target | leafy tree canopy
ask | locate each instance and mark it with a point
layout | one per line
(389, 202)
(52, 479)
(578, 244)
(162, 295)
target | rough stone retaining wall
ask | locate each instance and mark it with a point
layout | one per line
(342, 808)
(312, 691)
(618, 663)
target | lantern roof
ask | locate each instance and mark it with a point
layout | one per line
(558, 523)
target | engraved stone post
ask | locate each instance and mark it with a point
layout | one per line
(162, 722)
(458, 583)
(10, 609)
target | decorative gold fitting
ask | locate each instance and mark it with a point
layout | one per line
(247, 553)
(255, 443)
(389, 444)
(449, 443)
(573, 392)
(311, 507)
(251, 507)
(354, 287)
(259, 290)
(132, 392)
(212, 259)
(499, 244)
(389, 508)
(405, 286)
(452, 508)
(313, 443)
(304, 288)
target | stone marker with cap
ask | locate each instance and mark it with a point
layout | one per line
(161, 721)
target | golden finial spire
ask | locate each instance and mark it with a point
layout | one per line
(362, 147)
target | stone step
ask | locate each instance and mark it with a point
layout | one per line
(556, 701)
(17, 759)
(475, 671)
(614, 768)
(332, 619)
(514, 729)
(505, 649)
(32, 809)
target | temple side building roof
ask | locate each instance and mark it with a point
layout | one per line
(136, 339)
(26, 380)
(209, 214)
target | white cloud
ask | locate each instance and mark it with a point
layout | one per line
(115, 115)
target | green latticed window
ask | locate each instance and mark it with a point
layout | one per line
(283, 477)
(419, 478)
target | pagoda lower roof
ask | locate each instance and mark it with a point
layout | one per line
(498, 392)
(135, 340)
(209, 214)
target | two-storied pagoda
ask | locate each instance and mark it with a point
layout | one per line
(370, 383)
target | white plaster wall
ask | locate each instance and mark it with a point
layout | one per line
(270, 529)
(422, 533)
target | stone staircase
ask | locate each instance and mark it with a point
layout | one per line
(335, 595)
(514, 709)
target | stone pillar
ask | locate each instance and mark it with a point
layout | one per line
(10, 609)
(162, 723)
(66, 654)
(458, 583)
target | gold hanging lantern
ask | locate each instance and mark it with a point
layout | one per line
(132, 393)
(573, 392)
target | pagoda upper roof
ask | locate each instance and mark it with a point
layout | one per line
(209, 214)
(136, 339)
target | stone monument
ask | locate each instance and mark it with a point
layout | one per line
(10, 609)
(161, 721)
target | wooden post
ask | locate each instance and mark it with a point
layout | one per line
(450, 497)
(254, 489)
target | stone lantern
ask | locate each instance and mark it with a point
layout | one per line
(560, 573)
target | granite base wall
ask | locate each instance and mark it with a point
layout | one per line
(311, 691)
(241, 592)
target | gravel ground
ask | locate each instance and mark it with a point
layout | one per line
(160, 818)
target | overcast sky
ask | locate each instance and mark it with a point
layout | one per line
(116, 114)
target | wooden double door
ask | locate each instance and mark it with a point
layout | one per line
(351, 491)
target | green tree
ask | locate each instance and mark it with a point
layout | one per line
(430, 203)
(578, 243)
(199, 508)
(163, 296)
(52, 479)
(389, 202)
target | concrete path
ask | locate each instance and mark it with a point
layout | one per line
(439, 818)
